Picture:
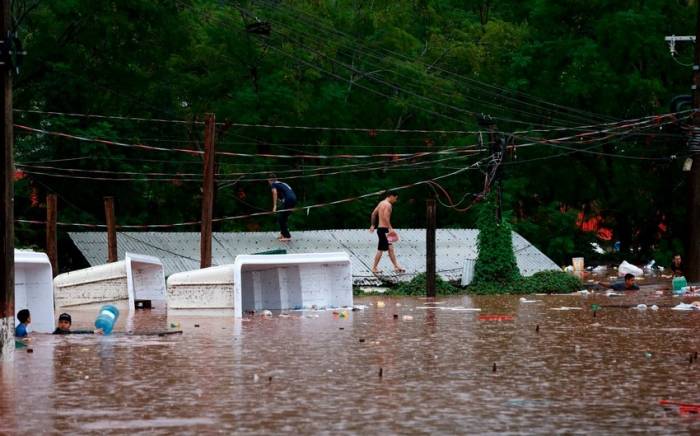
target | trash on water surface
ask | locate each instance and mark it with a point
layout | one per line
(627, 268)
(641, 306)
(380, 304)
(525, 300)
(266, 313)
(684, 306)
(359, 307)
(407, 318)
(495, 317)
(455, 308)
(564, 308)
(610, 293)
(654, 307)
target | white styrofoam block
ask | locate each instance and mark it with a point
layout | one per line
(290, 281)
(34, 289)
(206, 288)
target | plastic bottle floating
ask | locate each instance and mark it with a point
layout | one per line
(495, 317)
(107, 318)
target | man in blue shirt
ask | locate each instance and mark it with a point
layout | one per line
(24, 319)
(284, 193)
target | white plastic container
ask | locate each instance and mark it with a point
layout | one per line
(292, 281)
(137, 277)
(577, 263)
(627, 268)
(206, 288)
(34, 289)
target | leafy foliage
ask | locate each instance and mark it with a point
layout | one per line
(550, 282)
(496, 260)
(417, 287)
(384, 64)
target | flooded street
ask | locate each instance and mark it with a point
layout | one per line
(443, 371)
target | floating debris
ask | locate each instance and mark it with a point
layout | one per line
(495, 318)
(525, 300)
(407, 318)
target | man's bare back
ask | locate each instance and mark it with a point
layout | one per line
(384, 209)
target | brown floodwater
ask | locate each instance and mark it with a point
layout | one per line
(443, 371)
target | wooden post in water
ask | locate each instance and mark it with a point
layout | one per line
(430, 248)
(51, 234)
(207, 191)
(7, 229)
(111, 230)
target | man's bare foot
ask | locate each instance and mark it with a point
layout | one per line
(398, 269)
(376, 271)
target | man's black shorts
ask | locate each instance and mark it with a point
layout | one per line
(383, 244)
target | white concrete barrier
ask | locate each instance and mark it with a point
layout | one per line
(292, 281)
(34, 289)
(206, 288)
(137, 277)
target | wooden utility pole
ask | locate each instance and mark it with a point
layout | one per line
(207, 190)
(7, 263)
(51, 234)
(430, 247)
(692, 270)
(111, 230)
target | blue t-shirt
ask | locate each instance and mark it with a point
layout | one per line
(20, 331)
(284, 192)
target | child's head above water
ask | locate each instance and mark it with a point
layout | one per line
(64, 321)
(24, 317)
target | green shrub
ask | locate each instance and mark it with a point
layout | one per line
(417, 286)
(550, 282)
(495, 264)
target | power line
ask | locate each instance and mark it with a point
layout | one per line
(237, 217)
(316, 23)
(354, 48)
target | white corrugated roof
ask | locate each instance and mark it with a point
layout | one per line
(179, 251)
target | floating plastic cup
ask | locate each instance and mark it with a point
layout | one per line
(577, 262)
(107, 318)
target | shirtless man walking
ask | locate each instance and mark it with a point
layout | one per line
(381, 221)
